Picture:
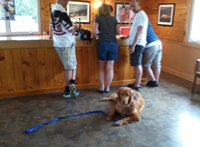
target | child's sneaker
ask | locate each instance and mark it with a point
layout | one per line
(66, 94)
(72, 91)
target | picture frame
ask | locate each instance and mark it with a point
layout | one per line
(118, 7)
(166, 14)
(79, 9)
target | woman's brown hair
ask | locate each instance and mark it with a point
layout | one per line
(104, 10)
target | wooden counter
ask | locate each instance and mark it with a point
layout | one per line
(30, 65)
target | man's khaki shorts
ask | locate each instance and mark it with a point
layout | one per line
(67, 56)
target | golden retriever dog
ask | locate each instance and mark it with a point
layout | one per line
(129, 104)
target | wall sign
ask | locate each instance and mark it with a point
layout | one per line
(7, 9)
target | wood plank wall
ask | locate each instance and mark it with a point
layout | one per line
(45, 11)
(29, 71)
(178, 32)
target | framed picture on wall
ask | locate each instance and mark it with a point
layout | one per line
(166, 14)
(118, 8)
(79, 10)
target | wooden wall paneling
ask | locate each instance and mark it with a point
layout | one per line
(26, 68)
(96, 64)
(85, 65)
(49, 66)
(45, 11)
(120, 62)
(172, 32)
(58, 71)
(116, 71)
(93, 68)
(10, 73)
(3, 79)
(131, 71)
(176, 26)
(124, 63)
(62, 72)
(39, 70)
(174, 37)
(149, 2)
(79, 65)
(46, 14)
(42, 67)
(19, 72)
(177, 32)
(33, 60)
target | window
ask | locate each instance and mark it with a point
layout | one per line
(23, 20)
(194, 32)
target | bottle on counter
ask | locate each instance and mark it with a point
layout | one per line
(79, 26)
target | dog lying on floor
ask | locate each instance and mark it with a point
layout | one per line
(129, 104)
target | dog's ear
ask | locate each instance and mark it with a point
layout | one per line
(119, 92)
(132, 95)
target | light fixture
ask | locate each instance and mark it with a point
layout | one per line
(98, 4)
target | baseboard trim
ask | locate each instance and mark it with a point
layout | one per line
(180, 75)
(59, 89)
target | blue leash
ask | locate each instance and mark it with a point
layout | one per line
(30, 130)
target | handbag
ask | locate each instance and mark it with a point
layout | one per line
(84, 34)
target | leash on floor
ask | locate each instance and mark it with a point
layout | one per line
(30, 130)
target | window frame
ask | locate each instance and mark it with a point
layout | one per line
(190, 23)
(186, 41)
(8, 26)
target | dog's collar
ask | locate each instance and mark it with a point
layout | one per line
(135, 97)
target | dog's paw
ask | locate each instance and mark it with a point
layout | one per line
(118, 123)
(104, 99)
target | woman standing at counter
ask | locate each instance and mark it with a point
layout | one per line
(108, 27)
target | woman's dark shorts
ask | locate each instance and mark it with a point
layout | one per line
(136, 56)
(108, 50)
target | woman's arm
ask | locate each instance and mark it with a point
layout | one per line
(95, 29)
(117, 29)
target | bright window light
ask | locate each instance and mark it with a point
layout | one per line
(194, 32)
(3, 26)
(26, 18)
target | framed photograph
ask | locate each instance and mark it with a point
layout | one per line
(166, 14)
(118, 8)
(79, 10)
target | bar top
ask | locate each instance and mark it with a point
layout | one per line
(41, 42)
(27, 38)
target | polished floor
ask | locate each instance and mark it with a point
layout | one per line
(171, 118)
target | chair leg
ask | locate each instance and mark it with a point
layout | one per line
(194, 84)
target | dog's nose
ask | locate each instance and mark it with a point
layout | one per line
(124, 102)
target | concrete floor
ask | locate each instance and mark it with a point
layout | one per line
(171, 118)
